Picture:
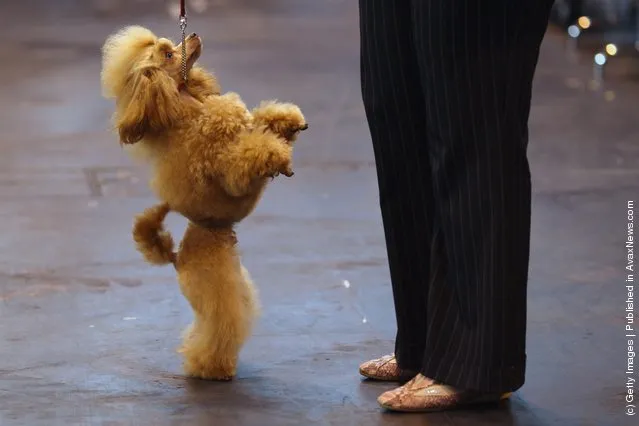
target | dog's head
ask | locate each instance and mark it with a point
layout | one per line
(143, 73)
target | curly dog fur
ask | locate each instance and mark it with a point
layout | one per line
(211, 159)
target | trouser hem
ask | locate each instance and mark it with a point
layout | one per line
(472, 377)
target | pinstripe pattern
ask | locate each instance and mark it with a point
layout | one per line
(446, 86)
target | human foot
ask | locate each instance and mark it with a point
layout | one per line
(423, 394)
(385, 369)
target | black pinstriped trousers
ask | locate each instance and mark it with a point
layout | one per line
(446, 86)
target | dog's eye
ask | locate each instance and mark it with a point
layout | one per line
(169, 55)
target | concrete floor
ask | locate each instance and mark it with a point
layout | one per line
(88, 331)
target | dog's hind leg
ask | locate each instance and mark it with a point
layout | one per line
(212, 343)
(210, 349)
(215, 284)
(251, 298)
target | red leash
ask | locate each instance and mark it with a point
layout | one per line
(182, 9)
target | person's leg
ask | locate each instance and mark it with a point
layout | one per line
(477, 60)
(395, 111)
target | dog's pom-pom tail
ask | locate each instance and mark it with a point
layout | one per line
(151, 239)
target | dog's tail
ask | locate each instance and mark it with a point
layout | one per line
(151, 239)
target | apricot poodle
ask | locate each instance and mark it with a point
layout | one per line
(211, 159)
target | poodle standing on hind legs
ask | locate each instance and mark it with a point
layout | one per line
(211, 159)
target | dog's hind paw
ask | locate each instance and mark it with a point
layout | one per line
(205, 372)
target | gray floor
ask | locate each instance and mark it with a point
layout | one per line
(88, 331)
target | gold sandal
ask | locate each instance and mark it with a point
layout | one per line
(422, 394)
(385, 369)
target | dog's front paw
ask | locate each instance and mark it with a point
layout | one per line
(284, 119)
(285, 170)
(278, 161)
(284, 167)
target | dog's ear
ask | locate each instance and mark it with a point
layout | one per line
(153, 105)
